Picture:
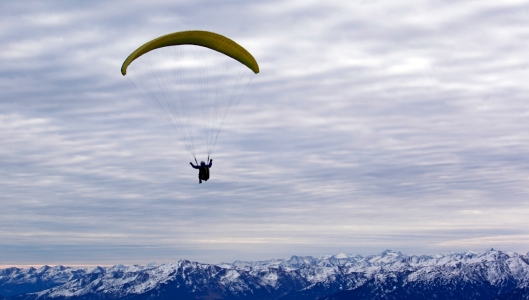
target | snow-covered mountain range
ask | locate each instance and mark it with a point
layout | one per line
(389, 275)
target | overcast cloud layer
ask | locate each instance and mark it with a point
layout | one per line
(372, 125)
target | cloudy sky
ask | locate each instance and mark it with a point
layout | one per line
(372, 125)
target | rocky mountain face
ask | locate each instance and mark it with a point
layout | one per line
(389, 275)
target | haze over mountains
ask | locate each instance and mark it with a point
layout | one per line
(389, 275)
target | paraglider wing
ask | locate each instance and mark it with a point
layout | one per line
(192, 77)
(206, 39)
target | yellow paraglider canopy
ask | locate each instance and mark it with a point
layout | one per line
(206, 39)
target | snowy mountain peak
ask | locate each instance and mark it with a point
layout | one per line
(392, 253)
(341, 255)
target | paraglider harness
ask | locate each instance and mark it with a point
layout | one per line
(203, 170)
(203, 173)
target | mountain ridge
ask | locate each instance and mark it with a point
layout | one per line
(491, 274)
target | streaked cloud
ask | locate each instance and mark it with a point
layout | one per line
(372, 125)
